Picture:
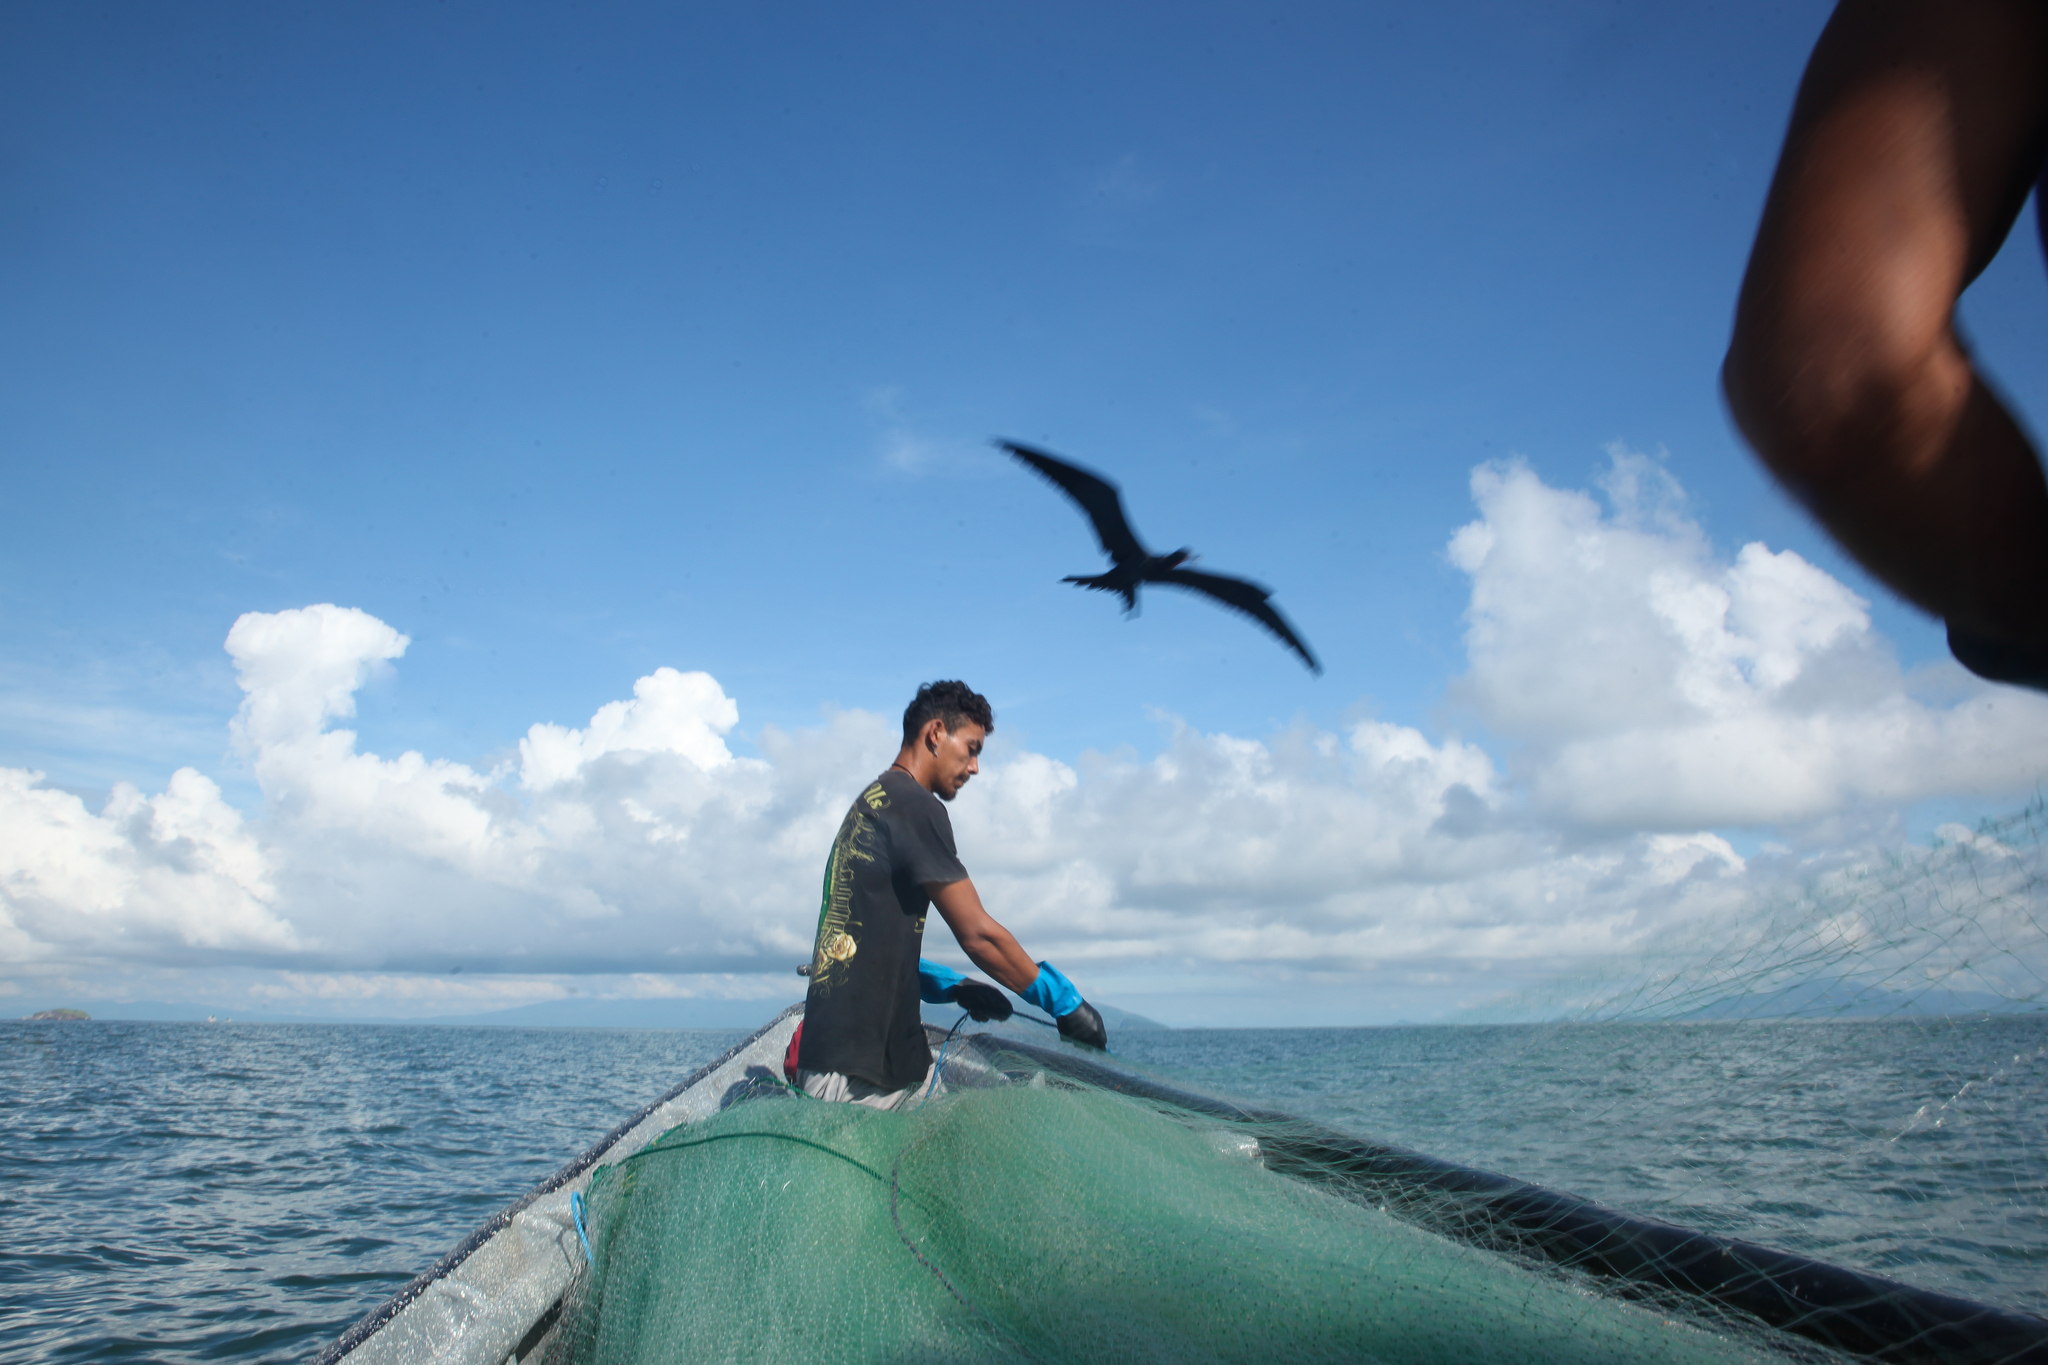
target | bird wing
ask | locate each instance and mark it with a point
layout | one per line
(1244, 596)
(1095, 495)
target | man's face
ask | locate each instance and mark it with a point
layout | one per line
(956, 755)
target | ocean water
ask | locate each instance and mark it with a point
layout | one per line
(205, 1192)
(186, 1192)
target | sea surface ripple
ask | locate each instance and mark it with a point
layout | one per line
(192, 1192)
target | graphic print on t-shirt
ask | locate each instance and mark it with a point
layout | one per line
(861, 1014)
(838, 932)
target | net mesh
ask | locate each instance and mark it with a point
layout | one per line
(1954, 929)
(1855, 1070)
(1852, 1072)
(1052, 1222)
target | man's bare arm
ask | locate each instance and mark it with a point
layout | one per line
(1918, 130)
(987, 944)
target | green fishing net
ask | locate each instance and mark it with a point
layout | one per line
(1034, 1215)
(1049, 1222)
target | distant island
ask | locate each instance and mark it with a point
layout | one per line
(57, 1014)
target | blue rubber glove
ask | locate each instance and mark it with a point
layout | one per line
(935, 983)
(1052, 992)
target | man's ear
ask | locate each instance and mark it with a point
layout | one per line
(932, 729)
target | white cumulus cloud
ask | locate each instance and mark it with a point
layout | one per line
(671, 713)
(1650, 683)
(1641, 694)
(173, 875)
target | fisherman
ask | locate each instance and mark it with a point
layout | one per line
(862, 1039)
(1918, 131)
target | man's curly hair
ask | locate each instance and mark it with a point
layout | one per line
(951, 702)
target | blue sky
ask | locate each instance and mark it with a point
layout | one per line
(574, 343)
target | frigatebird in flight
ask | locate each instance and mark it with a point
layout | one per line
(1134, 564)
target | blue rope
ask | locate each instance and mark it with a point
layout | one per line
(576, 1217)
(947, 1042)
(940, 1064)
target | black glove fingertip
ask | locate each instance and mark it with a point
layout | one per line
(1084, 1025)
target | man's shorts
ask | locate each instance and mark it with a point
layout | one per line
(836, 1088)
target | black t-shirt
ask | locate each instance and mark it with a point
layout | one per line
(861, 1016)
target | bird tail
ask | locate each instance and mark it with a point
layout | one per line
(1102, 583)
